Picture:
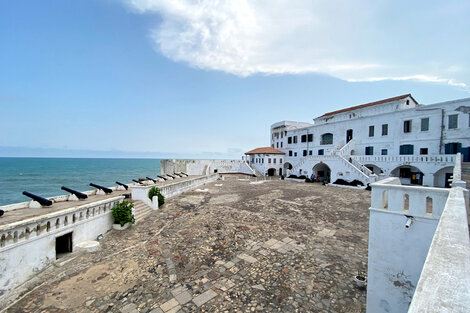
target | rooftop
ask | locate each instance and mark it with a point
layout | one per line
(264, 150)
(369, 104)
(236, 245)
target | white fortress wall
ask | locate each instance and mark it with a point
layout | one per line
(203, 167)
(28, 246)
(171, 190)
(412, 227)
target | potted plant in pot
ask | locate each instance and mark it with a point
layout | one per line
(122, 214)
(155, 192)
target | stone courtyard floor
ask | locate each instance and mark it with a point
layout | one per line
(231, 246)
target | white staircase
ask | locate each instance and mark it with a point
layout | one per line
(342, 154)
(254, 170)
(141, 210)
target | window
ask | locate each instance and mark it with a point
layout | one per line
(371, 131)
(453, 121)
(310, 137)
(289, 140)
(272, 145)
(305, 153)
(303, 138)
(425, 124)
(280, 161)
(295, 139)
(369, 150)
(384, 129)
(269, 160)
(384, 152)
(282, 134)
(277, 144)
(423, 151)
(321, 152)
(310, 152)
(290, 152)
(452, 147)
(406, 149)
(326, 139)
(274, 161)
(407, 126)
(281, 144)
(295, 154)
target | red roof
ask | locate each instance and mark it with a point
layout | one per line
(264, 150)
(369, 104)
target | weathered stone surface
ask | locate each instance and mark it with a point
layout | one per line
(304, 252)
(205, 297)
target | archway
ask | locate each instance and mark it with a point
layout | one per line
(442, 177)
(287, 166)
(271, 172)
(321, 171)
(374, 168)
(409, 175)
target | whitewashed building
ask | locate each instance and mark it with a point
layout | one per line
(395, 137)
(266, 161)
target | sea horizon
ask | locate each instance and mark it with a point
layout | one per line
(45, 176)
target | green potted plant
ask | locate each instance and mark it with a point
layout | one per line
(155, 192)
(122, 215)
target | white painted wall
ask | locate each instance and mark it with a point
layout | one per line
(28, 246)
(393, 114)
(396, 253)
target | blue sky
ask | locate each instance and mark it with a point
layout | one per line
(207, 78)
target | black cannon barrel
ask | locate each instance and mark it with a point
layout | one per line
(137, 181)
(176, 174)
(123, 185)
(77, 193)
(170, 176)
(184, 173)
(162, 177)
(41, 200)
(151, 179)
(106, 190)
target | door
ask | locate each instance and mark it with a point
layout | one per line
(280, 172)
(349, 135)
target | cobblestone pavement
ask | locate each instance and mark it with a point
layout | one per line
(231, 246)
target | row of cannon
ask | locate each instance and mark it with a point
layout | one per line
(82, 196)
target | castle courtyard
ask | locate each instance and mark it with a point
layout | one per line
(234, 245)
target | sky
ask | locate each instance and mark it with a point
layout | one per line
(206, 79)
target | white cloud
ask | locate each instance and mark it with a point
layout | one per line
(350, 40)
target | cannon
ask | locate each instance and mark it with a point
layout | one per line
(123, 185)
(176, 174)
(106, 190)
(41, 200)
(138, 181)
(151, 179)
(74, 192)
(170, 176)
(184, 174)
(162, 177)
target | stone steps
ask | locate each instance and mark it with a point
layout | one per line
(141, 210)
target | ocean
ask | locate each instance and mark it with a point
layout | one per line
(45, 176)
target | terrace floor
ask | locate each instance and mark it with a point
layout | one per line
(230, 246)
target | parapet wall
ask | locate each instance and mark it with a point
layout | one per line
(27, 246)
(203, 167)
(171, 190)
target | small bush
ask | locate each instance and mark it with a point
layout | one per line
(122, 213)
(154, 191)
